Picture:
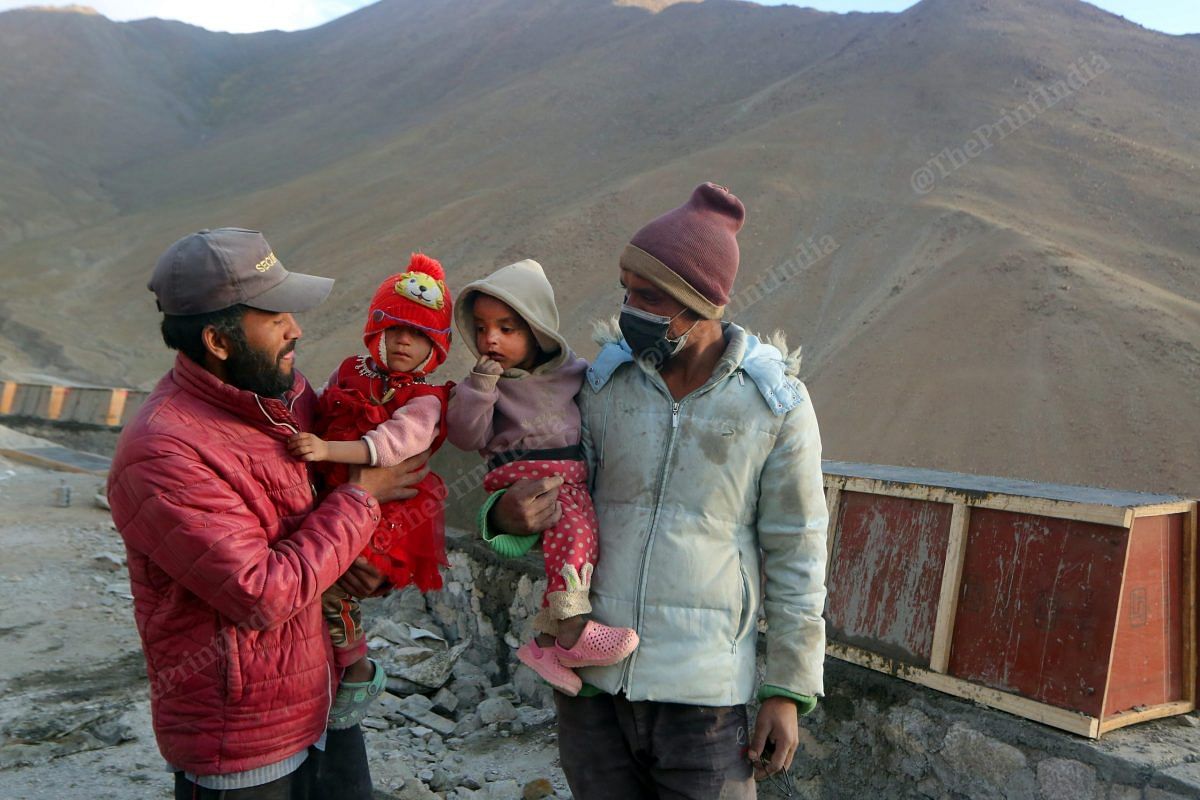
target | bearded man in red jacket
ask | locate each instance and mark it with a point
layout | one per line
(228, 551)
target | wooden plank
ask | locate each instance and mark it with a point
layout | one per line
(956, 549)
(1189, 606)
(1112, 649)
(833, 502)
(6, 397)
(36, 460)
(1062, 719)
(1037, 606)
(1083, 512)
(885, 581)
(1181, 507)
(982, 485)
(1146, 714)
(116, 407)
(54, 407)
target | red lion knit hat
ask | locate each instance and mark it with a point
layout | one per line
(417, 298)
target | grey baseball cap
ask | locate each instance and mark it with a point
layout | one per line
(214, 269)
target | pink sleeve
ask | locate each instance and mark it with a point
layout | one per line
(469, 415)
(411, 430)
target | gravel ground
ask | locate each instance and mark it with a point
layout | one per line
(74, 709)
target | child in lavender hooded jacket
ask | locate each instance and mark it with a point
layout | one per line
(517, 408)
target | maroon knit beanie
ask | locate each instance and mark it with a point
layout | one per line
(691, 252)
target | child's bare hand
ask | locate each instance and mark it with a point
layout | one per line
(487, 366)
(308, 447)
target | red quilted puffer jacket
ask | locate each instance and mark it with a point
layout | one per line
(228, 558)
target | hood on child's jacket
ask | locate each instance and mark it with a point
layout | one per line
(524, 287)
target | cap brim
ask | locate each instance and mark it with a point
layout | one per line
(297, 292)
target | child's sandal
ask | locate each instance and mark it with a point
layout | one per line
(544, 661)
(352, 700)
(599, 646)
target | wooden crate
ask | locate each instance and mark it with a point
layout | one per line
(1068, 605)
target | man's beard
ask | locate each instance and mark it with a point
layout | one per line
(257, 371)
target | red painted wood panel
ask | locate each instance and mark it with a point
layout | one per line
(887, 573)
(1037, 607)
(1147, 667)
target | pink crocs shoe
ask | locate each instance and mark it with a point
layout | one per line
(599, 646)
(546, 663)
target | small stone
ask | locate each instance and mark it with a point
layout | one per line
(375, 724)
(441, 780)
(535, 717)
(505, 690)
(416, 704)
(469, 691)
(1124, 793)
(464, 670)
(504, 790)
(470, 783)
(476, 738)
(537, 790)
(403, 687)
(109, 561)
(388, 705)
(445, 700)
(496, 709)
(426, 775)
(1188, 720)
(978, 766)
(1064, 779)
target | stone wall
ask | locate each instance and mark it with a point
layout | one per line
(873, 736)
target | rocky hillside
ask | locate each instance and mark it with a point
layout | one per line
(980, 217)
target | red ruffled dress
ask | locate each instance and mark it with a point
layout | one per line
(409, 545)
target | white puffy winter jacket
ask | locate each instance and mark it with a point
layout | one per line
(694, 497)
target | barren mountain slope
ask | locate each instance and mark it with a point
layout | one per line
(1031, 312)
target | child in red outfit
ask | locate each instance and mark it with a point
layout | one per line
(517, 408)
(378, 410)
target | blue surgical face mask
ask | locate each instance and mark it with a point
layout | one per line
(646, 335)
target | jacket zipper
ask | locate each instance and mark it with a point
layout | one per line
(642, 568)
(676, 406)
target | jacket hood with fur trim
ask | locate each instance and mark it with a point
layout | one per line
(768, 362)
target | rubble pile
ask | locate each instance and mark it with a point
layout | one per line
(454, 687)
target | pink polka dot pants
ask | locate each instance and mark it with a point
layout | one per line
(571, 547)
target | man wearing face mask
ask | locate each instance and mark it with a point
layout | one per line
(706, 472)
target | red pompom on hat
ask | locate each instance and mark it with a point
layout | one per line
(416, 298)
(691, 252)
